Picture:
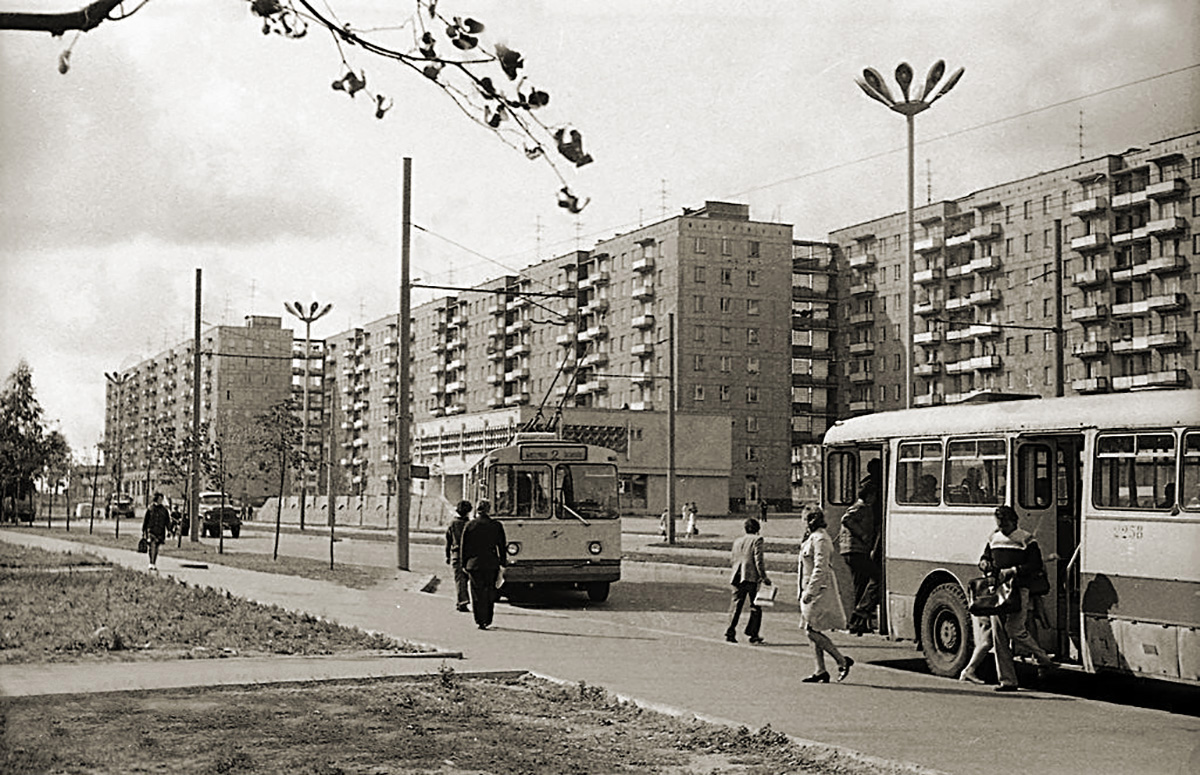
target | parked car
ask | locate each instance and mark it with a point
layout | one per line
(219, 510)
(120, 505)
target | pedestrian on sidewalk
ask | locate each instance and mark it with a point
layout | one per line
(663, 521)
(762, 510)
(857, 541)
(483, 554)
(749, 570)
(689, 513)
(820, 604)
(154, 528)
(454, 533)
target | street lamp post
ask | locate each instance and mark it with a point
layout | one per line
(314, 312)
(118, 381)
(873, 85)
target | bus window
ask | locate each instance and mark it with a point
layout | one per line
(521, 491)
(588, 491)
(841, 475)
(919, 465)
(976, 472)
(1189, 491)
(1034, 483)
(1135, 471)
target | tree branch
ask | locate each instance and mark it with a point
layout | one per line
(85, 19)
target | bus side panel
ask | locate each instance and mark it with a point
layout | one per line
(905, 579)
(1133, 622)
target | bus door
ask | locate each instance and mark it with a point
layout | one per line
(847, 470)
(1047, 490)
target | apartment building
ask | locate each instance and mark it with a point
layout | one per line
(814, 380)
(244, 370)
(1077, 280)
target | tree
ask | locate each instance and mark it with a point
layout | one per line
(484, 80)
(278, 433)
(55, 466)
(22, 439)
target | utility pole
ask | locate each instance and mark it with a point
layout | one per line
(1059, 335)
(403, 453)
(118, 381)
(194, 495)
(671, 428)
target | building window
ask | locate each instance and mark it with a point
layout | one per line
(1028, 343)
(698, 245)
(726, 363)
(723, 391)
(752, 306)
(1008, 213)
(751, 336)
(752, 424)
(726, 246)
(751, 277)
(726, 334)
(697, 392)
(1008, 246)
(1028, 209)
(698, 362)
(754, 248)
(726, 276)
(1025, 241)
(752, 364)
(1046, 204)
(699, 334)
(726, 304)
(751, 454)
(1048, 341)
(698, 274)
(697, 304)
(752, 394)
(1046, 238)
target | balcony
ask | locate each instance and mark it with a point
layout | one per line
(927, 276)
(1167, 264)
(593, 386)
(516, 327)
(1089, 243)
(862, 319)
(594, 359)
(862, 407)
(495, 353)
(642, 349)
(929, 399)
(516, 375)
(861, 377)
(516, 399)
(958, 239)
(985, 297)
(643, 321)
(984, 264)
(1089, 278)
(561, 391)
(1165, 226)
(457, 386)
(593, 280)
(565, 287)
(927, 369)
(642, 378)
(862, 348)
(438, 347)
(958, 302)
(1126, 201)
(928, 338)
(923, 308)
(643, 291)
(1171, 378)
(864, 261)
(568, 337)
(1084, 207)
(517, 350)
(1089, 314)
(565, 366)
(928, 245)
(495, 307)
(1090, 385)
(1167, 189)
(593, 333)
(595, 305)
(641, 406)
(1085, 350)
(1122, 238)
(493, 379)
(643, 264)
(862, 289)
(978, 363)
(517, 302)
(1167, 302)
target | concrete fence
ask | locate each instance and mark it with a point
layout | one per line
(427, 512)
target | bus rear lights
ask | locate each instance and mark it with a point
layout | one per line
(513, 548)
(594, 547)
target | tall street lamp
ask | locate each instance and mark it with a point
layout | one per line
(314, 312)
(118, 381)
(873, 84)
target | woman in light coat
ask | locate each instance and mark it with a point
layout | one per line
(820, 604)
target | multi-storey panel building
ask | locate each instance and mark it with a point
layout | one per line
(244, 370)
(814, 383)
(1078, 280)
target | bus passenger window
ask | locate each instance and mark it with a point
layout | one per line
(1189, 493)
(1034, 485)
(841, 477)
(1133, 470)
(919, 464)
(976, 472)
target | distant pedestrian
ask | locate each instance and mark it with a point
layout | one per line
(762, 511)
(820, 604)
(454, 533)
(749, 570)
(483, 554)
(690, 517)
(663, 521)
(154, 528)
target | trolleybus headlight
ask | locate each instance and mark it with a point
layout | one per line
(513, 548)
(595, 548)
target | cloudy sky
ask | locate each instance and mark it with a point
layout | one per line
(183, 137)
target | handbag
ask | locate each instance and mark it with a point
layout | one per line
(143, 546)
(989, 597)
(765, 596)
(1039, 583)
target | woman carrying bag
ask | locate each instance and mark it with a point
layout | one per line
(820, 604)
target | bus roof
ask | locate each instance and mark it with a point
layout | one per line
(1154, 408)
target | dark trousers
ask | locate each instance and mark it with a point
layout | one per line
(483, 594)
(462, 592)
(867, 576)
(743, 591)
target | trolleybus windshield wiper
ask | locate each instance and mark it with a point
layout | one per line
(576, 514)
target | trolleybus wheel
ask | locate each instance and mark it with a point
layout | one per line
(597, 591)
(946, 638)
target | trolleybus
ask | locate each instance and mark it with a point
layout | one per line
(558, 502)
(1109, 485)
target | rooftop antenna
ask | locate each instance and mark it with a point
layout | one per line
(537, 238)
(578, 231)
(226, 312)
(1081, 134)
(928, 182)
(253, 291)
(662, 194)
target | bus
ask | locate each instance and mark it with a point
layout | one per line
(558, 502)
(1109, 485)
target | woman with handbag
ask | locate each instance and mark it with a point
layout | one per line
(820, 604)
(1009, 558)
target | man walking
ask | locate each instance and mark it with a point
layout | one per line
(749, 569)
(454, 534)
(483, 553)
(154, 528)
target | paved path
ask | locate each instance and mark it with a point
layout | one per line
(892, 714)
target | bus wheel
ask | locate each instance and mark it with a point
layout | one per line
(597, 591)
(946, 630)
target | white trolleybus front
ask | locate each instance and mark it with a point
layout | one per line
(1109, 485)
(558, 502)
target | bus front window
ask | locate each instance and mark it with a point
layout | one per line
(521, 491)
(588, 491)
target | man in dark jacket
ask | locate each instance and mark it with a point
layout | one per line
(749, 570)
(857, 542)
(454, 535)
(484, 551)
(154, 528)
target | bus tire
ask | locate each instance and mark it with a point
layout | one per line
(597, 591)
(946, 638)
